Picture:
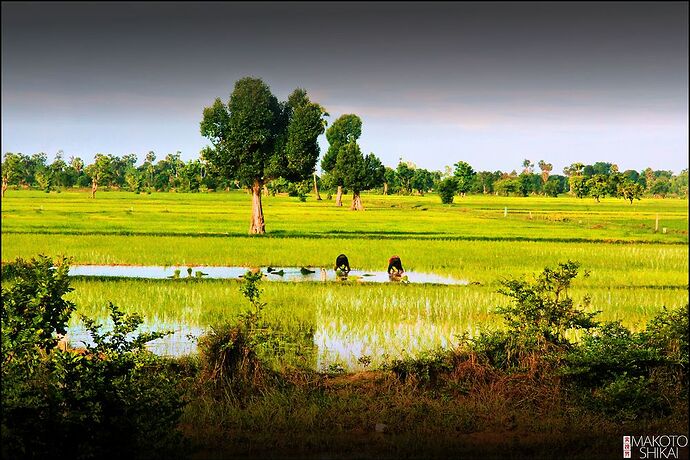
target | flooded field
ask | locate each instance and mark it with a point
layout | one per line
(291, 274)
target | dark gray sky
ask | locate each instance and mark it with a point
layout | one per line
(435, 83)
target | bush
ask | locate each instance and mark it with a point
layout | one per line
(112, 399)
(245, 354)
(624, 373)
(447, 189)
(425, 368)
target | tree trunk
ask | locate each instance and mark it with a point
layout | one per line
(385, 188)
(94, 187)
(4, 186)
(356, 202)
(257, 226)
(316, 189)
(339, 196)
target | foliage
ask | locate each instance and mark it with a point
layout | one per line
(543, 308)
(345, 130)
(447, 189)
(464, 174)
(628, 374)
(426, 367)
(113, 399)
(245, 354)
(34, 311)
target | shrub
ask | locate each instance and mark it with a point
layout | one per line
(447, 189)
(244, 354)
(112, 399)
(624, 373)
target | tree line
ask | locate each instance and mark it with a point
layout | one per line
(172, 174)
(269, 146)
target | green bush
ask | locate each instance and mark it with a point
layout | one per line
(447, 189)
(425, 368)
(112, 399)
(626, 373)
(242, 355)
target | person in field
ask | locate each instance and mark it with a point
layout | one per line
(342, 264)
(395, 267)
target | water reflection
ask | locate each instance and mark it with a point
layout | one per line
(313, 274)
(334, 341)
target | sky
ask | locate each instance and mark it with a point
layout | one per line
(487, 83)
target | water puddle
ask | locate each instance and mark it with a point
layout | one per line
(291, 274)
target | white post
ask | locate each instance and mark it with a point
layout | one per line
(505, 212)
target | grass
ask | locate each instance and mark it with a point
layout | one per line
(227, 214)
(348, 321)
(634, 271)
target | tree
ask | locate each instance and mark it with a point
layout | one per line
(390, 181)
(507, 185)
(597, 185)
(422, 180)
(465, 174)
(405, 173)
(57, 169)
(679, 184)
(630, 190)
(345, 130)
(527, 166)
(556, 185)
(100, 171)
(579, 186)
(447, 189)
(661, 187)
(546, 169)
(358, 172)
(11, 170)
(255, 138)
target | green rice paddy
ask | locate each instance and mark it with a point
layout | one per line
(635, 271)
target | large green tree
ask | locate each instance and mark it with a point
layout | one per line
(100, 171)
(465, 175)
(358, 172)
(345, 130)
(257, 138)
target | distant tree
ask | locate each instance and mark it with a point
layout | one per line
(679, 184)
(447, 189)
(255, 138)
(100, 171)
(405, 174)
(552, 187)
(602, 168)
(507, 185)
(390, 181)
(630, 190)
(579, 186)
(133, 179)
(346, 129)
(597, 186)
(358, 172)
(464, 174)
(11, 170)
(528, 166)
(631, 174)
(525, 183)
(422, 180)
(57, 170)
(546, 169)
(661, 187)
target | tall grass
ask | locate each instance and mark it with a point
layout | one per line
(349, 321)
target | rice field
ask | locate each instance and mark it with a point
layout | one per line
(634, 271)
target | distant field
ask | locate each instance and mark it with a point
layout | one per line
(634, 271)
